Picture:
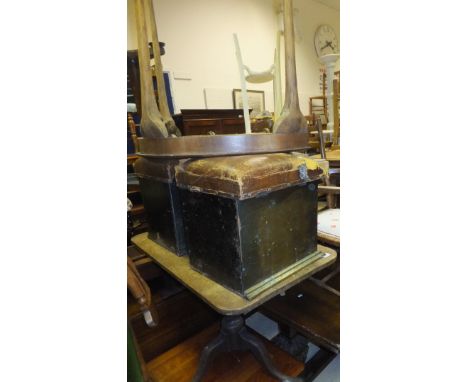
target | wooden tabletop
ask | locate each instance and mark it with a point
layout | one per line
(316, 313)
(328, 239)
(215, 295)
(333, 156)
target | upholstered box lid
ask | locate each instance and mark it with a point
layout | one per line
(158, 169)
(246, 176)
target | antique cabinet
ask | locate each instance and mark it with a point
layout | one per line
(215, 121)
(249, 221)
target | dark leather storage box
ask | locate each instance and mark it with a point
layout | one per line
(161, 201)
(249, 221)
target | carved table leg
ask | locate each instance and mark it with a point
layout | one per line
(258, 349)
(234, 336)
(208, 352)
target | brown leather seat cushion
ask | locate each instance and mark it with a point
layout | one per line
(159, 169)
(246, 175)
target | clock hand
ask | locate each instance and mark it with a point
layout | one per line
(328, 43)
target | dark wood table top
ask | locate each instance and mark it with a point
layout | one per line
(310, 309)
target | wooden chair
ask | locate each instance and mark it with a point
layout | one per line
(313, 135)
(137, 371)
(141, 292)
(328, 223)
(320, 111)
(322, 108)
(258, 77)
(133, 130)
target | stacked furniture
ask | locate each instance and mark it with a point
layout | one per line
(215, 121)
(232, 217)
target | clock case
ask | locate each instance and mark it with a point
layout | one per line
(317, 43)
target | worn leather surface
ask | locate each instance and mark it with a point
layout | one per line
(159, 169)
(246, 176)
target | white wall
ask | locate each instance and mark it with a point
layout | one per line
(199, 46)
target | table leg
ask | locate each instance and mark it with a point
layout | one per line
(208, 352)
(234, 336)
(258, 349)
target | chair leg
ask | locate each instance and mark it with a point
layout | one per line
(245, 102)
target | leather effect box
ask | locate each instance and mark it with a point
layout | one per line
(162, 202)
(249, 221)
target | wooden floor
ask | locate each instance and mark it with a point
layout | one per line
(179, 363)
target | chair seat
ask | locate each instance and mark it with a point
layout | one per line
(328, 222)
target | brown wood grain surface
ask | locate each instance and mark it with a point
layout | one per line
(192, 146)
(310, 309)
(158, 69)
(152, 125)
(180, 363)
(137, 286)
(291, 119)
(326, 239)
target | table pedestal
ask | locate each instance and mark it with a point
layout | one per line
(234, 336)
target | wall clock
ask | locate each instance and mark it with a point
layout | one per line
(326, 41)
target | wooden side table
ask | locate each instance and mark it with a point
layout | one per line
(233, 334)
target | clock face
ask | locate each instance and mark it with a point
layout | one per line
(325, 40)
